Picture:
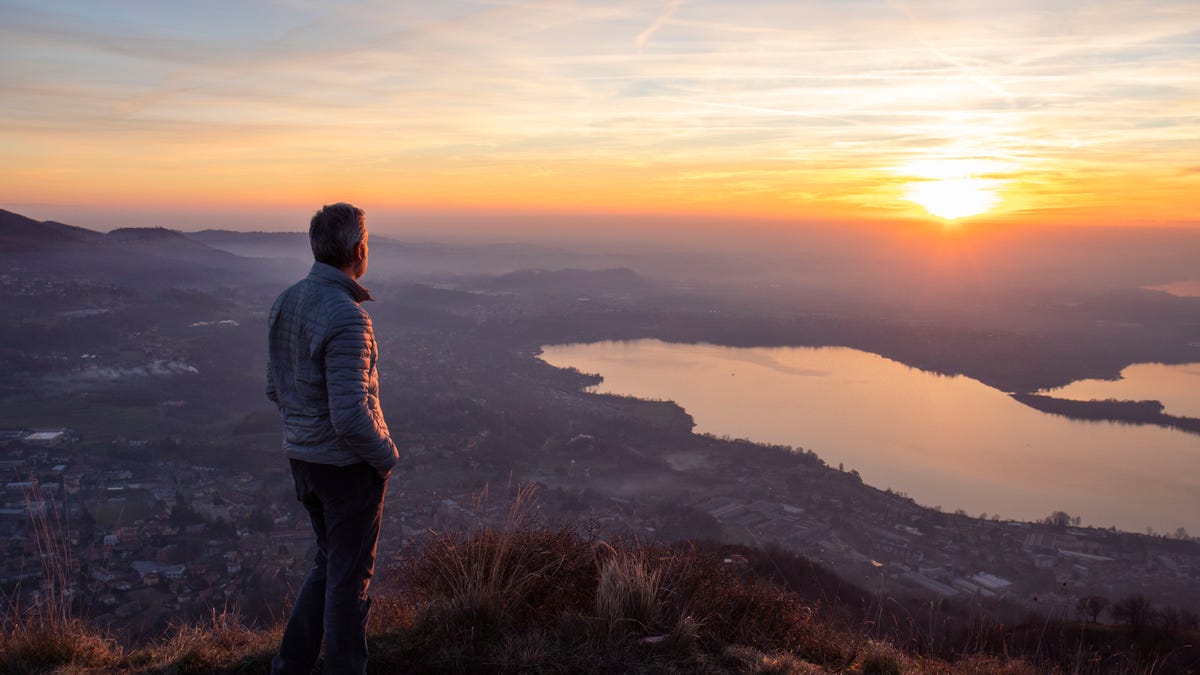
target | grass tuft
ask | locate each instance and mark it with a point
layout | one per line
(627, 594)
(220, 643)
(881, 659)
(37, 644)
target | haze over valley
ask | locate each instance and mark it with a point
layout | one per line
(137, 355)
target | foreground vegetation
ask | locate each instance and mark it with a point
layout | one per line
(532, 599)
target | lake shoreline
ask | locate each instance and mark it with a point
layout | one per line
(950, 440)
(1121, 412)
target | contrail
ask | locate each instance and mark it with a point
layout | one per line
(643, 36)
(972, 73)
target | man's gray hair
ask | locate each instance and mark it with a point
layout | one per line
(334, 232)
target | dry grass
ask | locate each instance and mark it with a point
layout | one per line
(627, 594)
(739, 659)
(882, 659)
(36, 644)
(220, 643)
(990, 664)
(51, 636)
(494, 579)
(48, 634)
(525, 598)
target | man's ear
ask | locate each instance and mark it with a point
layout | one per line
(360, 251)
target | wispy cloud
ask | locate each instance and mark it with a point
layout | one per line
(817, 101)
(668, 12)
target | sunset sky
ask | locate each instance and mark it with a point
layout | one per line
(839, 111)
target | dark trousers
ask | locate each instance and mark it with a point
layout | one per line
(345, 504)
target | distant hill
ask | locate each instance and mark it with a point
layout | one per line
(209, 258)
(18, 233)
(162, 242)
(145, 234)
(129, 256)
(291, 245)
(396, 260)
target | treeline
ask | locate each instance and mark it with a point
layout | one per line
(1111, 410)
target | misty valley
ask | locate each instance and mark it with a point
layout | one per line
(133, 405)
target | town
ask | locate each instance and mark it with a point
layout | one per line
(139, 544)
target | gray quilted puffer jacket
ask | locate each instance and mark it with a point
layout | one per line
(321, 373)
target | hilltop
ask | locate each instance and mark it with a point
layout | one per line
(125, 256)
(532, 599)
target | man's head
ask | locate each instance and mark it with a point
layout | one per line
(338, 235)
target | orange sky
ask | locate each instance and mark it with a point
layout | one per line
(1032, 112)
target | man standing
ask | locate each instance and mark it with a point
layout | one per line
(321, 374)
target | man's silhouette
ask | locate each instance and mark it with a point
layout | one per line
(321, 374)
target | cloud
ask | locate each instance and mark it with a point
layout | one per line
(667, 13)
(837, 90)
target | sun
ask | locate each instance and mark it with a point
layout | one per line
(953, 198)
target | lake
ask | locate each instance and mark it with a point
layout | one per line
(947, 441)
(1176, 387)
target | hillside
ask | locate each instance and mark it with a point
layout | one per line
(526, 598)
(127, 256)
(18, 233)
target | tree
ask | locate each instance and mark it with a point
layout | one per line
(1134, 610)
(260, 520)
(1189, 620)
(1091, 606)
(1059, 519)
(183, 514)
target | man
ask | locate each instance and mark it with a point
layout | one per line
(321, 374)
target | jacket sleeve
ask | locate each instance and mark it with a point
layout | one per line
(353, 404)
(272, 389)
(272, 392)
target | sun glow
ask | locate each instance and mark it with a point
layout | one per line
(953, 198)
(953, 188)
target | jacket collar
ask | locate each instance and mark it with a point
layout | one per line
(329, 274)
